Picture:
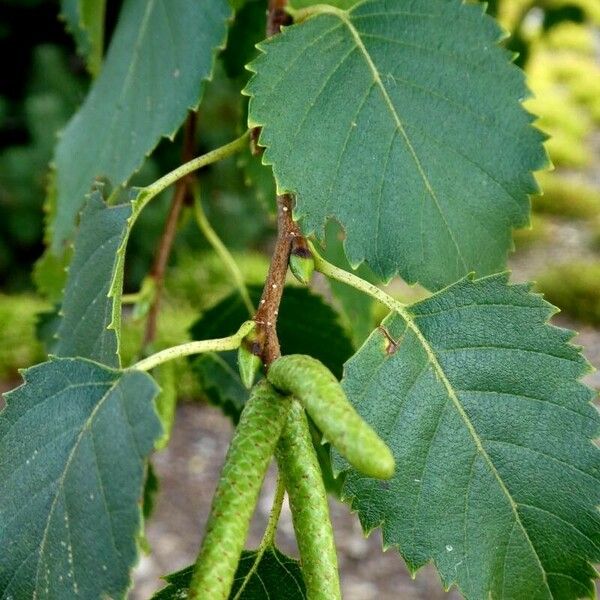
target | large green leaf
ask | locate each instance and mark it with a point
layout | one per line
(87, 309)
(497, 480)
(85, 21)
(403, 121)
(275, 577)
(157, 60)
(73, 445)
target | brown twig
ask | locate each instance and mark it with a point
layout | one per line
(267, 346)
(163, 250)
(268, 309)
(276, 16)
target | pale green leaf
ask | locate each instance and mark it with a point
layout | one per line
(274, 577)
(159, 55)
(403, 121)
(166, 401)
(87, 309)
(74, 439)
(497, 479)
(85, 20)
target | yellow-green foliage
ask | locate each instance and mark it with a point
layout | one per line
(528, 236)
(19, 347)
(174, 321)
(564, 75)
(567, 197)
(201, 279)
(595, 230)
(575, 289)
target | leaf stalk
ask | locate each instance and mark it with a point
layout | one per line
(216, 345)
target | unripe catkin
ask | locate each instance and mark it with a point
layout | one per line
(299, 466)
(247, 460)
(308, 380)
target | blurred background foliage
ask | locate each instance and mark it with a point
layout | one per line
(45, 79)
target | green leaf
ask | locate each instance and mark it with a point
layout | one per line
(87, 309)
(85, 21)
(403, 122)
(306, 324)
(157, 60)
(74, 439)
(247, 29)
(259, 178)
(220, 381)
(275, 577)
(496, 475)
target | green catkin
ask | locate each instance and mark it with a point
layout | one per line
(322, 396)
(299, 467)
(247, 460)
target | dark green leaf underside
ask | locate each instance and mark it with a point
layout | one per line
(87, 309)
(275, 577)
(497, 479)
(73, 445)
(403, 121)
(306, 324)
(159, 55)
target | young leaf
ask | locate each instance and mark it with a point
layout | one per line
(87, 308)
(427, 160)
(497, 480)
(153, 73)
(275, 577)
(85, 21)
(166, 401)
(73, 445)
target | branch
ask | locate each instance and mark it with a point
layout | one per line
(268, 309)
(267, 346)
(277, 16)
(213, 156)
(165, 245)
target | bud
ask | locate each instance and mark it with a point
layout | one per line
(249, 361)
(302, 263)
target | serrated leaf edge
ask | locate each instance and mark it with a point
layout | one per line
(403, 311)
(8, 396)
(343, 15)
(169, 135)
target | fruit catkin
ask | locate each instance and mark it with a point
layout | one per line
(322, 396)
(299, 467)
(247, 460)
